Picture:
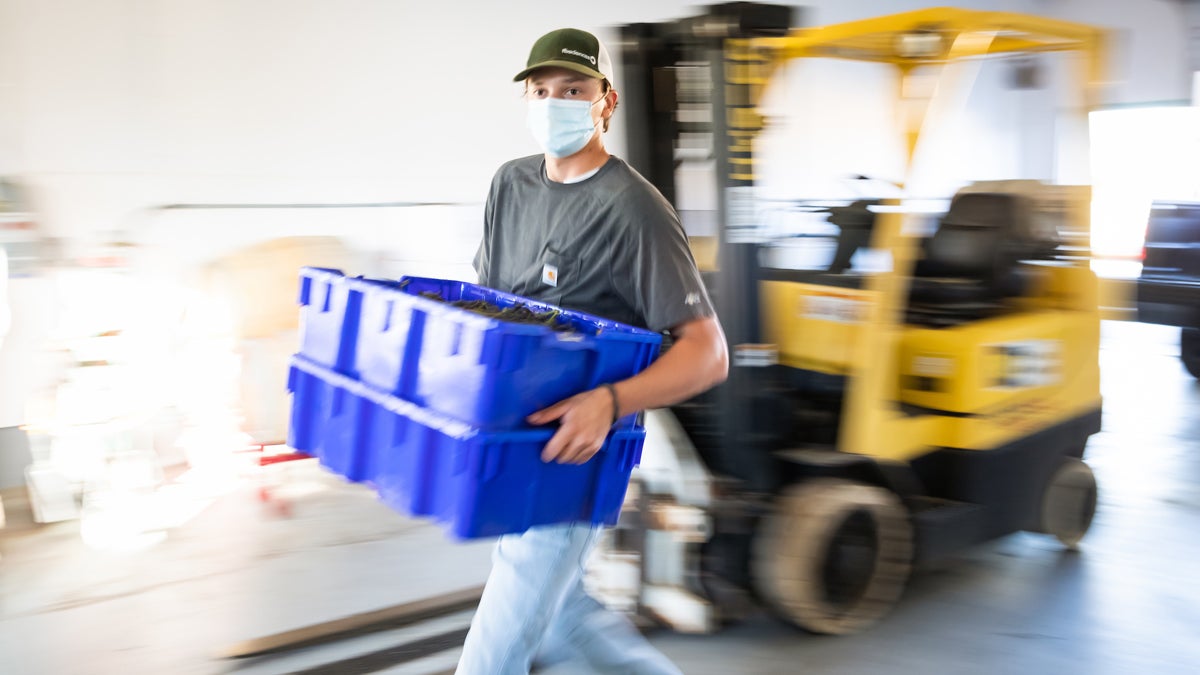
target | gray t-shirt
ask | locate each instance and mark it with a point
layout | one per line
(610, 245)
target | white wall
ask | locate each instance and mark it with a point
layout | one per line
(113, 105)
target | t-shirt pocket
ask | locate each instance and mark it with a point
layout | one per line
(550, 278)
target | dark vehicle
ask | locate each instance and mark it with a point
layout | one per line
(1168, 291)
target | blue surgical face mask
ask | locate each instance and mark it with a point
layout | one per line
(560, 126)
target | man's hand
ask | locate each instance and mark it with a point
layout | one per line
(695, 362)
(586, 420)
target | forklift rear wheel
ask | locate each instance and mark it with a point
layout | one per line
(1189, 350)
(1069, 502)
(834, 556)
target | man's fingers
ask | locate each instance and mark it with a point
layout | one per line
(573, 443)
(565, 451)
(565, 448)
(549, 414)
(568, 455)
(580, 453)
(555, 446)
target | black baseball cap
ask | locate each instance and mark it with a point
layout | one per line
(572, 49)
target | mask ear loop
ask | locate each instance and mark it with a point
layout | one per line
(603, 97)
(593, 105)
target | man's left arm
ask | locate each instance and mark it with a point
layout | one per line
(697, 361)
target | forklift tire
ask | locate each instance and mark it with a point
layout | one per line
(1069, 502)
(834, 556)
(1189, 350)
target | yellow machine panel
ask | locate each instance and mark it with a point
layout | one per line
(977, 385)
(815, 327)
(976, 367)
(1013, 375)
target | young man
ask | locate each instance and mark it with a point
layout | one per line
(579, 228)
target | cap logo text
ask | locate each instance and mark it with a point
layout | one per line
(581, 55)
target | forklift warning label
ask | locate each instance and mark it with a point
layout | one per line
(839, 308)
(1022, 364)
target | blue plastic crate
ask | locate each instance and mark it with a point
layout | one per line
(483, 371)
(327, 421)
(480, 483)
(329, 318)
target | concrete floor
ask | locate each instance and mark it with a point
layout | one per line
(1126, 603)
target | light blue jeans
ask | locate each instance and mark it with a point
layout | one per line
(534, 611)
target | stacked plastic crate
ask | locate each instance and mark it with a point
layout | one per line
(427, 401)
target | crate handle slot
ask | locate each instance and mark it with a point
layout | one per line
(389, 307)
(456, 340)
(410, 369)
(400, 430)
(493, 460)
(305, 290)
(328, 296)
(339, 401)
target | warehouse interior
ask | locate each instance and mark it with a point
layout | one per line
(167, 168)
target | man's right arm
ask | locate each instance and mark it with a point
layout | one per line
(654, 269)
(696, 362)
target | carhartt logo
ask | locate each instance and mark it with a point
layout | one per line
(550, 275)
(581, 55)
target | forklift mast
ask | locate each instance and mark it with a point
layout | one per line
(693, 81)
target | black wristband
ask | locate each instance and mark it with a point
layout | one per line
(616, 404)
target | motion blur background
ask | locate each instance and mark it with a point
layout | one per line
(167, 165)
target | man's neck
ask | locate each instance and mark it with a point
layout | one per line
(591, 157)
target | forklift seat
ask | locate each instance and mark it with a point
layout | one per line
(970, 264)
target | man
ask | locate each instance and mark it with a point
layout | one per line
(579, 228)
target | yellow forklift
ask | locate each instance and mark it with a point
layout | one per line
(873, 420)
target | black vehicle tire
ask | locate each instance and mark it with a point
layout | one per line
(1189, 350)
(835, 555)
(1069, 502)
